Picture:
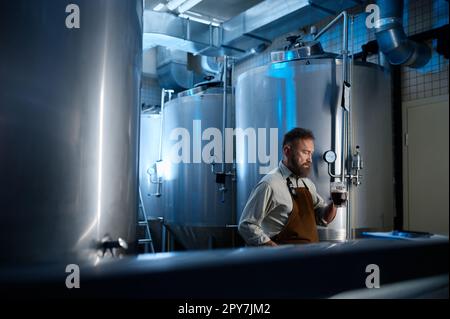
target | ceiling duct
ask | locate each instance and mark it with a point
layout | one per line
(392, 39)
(236, 37)
(178, 70)
(171, 67)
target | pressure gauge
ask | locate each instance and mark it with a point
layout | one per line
(329, 156)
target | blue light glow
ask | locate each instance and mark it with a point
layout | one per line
(285, 108)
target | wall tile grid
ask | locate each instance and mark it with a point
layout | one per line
(432, 79)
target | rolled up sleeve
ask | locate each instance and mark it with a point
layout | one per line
(320, 206)
(257, 208)
(319, 210)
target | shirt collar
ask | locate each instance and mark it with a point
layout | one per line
(285, 172)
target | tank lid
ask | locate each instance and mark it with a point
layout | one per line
(303, 50)
(201, 87)
(150, 109)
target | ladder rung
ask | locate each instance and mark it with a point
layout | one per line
(142, 223)
(144, 241)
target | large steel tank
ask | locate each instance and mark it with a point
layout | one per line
(306, 93)
(69, 111)
(197, 210)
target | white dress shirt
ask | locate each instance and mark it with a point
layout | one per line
(270, 203)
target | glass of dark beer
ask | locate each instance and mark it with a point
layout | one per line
(338, 193)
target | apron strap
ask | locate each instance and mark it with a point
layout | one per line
(292, 188)
(305, 185)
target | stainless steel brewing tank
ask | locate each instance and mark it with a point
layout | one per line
(306, 93)
(150, 133)
(192, 200)
(69, 110)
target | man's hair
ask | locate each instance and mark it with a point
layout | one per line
(296, 134)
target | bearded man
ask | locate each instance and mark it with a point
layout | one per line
(284, 207)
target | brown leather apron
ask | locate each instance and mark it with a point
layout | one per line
(301, 225)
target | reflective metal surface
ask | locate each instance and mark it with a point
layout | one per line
(300, 50)
(259, 24)
(192, 200)
(215, 273)
(148, 155)
(69, 103)
(306, 93)
(297, 54)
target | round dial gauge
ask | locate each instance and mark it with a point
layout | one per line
(329, 157)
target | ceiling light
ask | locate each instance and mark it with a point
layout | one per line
(159, 7)
(173, 4)
(187, 5)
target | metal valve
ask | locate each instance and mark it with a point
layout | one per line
(221, 178)
(357, 165)
(108, 244)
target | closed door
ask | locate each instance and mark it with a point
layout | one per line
(426, 165)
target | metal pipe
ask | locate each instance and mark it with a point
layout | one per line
(347, 147)
(161, 128)
(331, 174)
(188, 29)
(349, 180)
(393, 41)
(350, 142)
(346, 114)
(328, 26)
(345, 46)
(344, 80)
(161, 125)
(223, 189)
(225, 107)
(343, 144)
(163, 97)
(344, 52)
(232, 84)
(211, 30)
(161, 132)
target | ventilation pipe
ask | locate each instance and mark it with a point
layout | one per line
(171, 67)
(179, 70)
(392, 39)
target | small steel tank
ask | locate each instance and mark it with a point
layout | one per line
(150, 132)
(148, 156)
(305, 92)
(197, 210)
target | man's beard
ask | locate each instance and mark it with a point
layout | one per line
(302, 170)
